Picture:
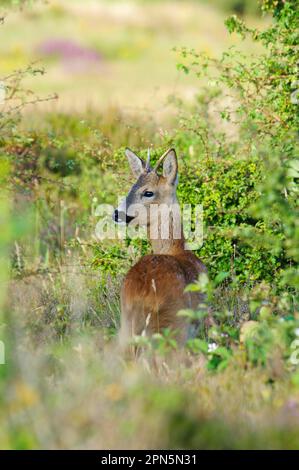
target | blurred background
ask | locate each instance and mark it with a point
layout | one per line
(101, 54)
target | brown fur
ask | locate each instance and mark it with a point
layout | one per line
(153, 290)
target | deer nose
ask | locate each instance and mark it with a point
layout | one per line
(120, 216)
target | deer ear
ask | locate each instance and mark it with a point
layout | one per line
(137, 165)
(170, 167)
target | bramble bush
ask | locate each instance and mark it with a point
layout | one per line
(248, 186)
(248, 183)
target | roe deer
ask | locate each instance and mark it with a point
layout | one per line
(153, 290)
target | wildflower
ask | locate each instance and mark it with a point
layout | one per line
(212, 347)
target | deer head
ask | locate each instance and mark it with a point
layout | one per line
(150, 188)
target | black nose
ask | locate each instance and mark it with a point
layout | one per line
(120, 216)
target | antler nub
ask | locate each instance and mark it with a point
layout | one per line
(147, 165)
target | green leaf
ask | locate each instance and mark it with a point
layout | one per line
(220, 277)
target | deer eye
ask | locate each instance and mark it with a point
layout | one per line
(148, 194)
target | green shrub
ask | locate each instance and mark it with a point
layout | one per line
(255, 170)
(226, 188)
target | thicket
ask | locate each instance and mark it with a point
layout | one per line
(248, 184)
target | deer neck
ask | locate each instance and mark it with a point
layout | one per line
(166, 233)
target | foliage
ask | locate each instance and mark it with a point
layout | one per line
(235, 384)
(267, 120)
(271, 336)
